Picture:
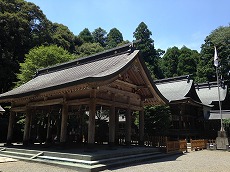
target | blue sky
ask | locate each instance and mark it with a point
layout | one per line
(172, 22)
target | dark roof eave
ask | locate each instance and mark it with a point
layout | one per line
(189, 101)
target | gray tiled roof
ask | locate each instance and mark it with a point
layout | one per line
(59, 78)
(174, 89)
(208, 93)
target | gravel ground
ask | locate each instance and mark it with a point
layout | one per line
(198, 161)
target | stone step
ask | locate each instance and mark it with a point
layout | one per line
(17, 154)
(102, 165)
(88, 161)
(21, 150)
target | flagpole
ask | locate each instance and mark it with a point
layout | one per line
(216, 63)
(218, 85)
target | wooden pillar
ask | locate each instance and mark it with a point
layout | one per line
(128, 125)
(141, 125)
(112, 123)
(27, 127)
(48, 131)
(64, 119)
(116, 127)
(10, 127)
(92, 111)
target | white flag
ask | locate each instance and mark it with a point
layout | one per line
(215, 58)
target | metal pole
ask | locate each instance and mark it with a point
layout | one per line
(221, 119)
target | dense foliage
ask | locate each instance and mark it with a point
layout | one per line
(220, 38)
(146, 45)
(114, 38)
(157, 119)
(22, 26)
(40, 57)
(177, 62)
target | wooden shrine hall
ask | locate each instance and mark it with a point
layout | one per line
(71, 93)
(185, 106)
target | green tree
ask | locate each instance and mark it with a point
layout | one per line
(206, 70)
(22, 26)
(62, 36)
(114, 38)
(177, 62)
(157, 119)
(187, 61)
(86, 36)
(169, 62)
(41, 57)
(146, 45)
(99, 36)
(87, 49)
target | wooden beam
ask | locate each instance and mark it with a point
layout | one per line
(117, 104)
(47, 102)
(121, 92)
(130, 84)
(78, 101)
(18, 109)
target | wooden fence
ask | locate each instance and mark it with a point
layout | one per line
(164, 144)
(167, 145)
(198, 144)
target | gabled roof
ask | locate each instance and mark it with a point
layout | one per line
(177, 88)
(208, 92)
(99, 67)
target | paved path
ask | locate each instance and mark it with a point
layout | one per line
(198, 161)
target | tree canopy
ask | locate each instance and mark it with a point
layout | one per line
(169, 62)
(146, 45)
(22, 26)
(87, 49)
(177, 62)
(86, 36)
(114, 38)
(41, 57)
(100, 36)
(206, 70)
(63, 37)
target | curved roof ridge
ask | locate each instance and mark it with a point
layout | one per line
(83, 60)
(209, 85)
(208, 93)
(174, 79)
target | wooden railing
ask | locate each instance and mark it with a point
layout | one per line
(172, 146)
(166, 145)
(198, 144)
(183, 145)
(155, 141)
